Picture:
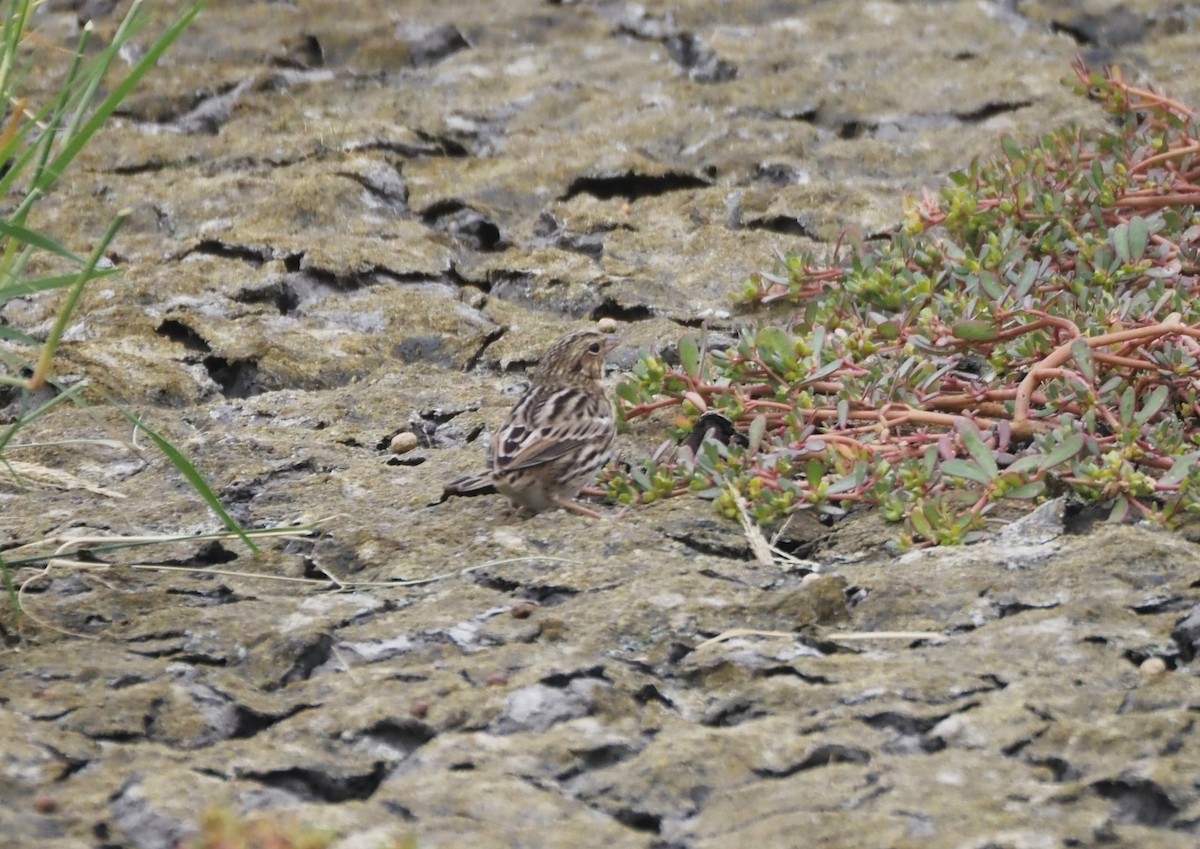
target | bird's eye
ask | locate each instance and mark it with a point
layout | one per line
(594, 348)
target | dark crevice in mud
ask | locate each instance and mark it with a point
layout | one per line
(1138, 800)
(798, 547)
(469, 227)
(901, 722)
(495, 582)
(256, 256)
(241, 491)
(711, 547)
(434, 429)
(609, 308)
(311, 656)
(251, 722)
(1162, 604)
(405, 461)
(429, 145)
(849, 130)
(73, 765)
(826, 755)
(474, 360)
(303, 52)
(732, 714)
(787, 670)
(313, 786)
(210, 553)
(402, 735)
(649, 693)
(548, 231)
(1004, 609)
(236, 378)
(632, 185)
(393, 193)
(181, 334)
(149, 166)
(600, 757)
(1138, 656)
(784, 224)
(563, 679)
(549, 596)
(638, 820)
(394, 807)
(277, 293)
(1060, 770)
(991, 110)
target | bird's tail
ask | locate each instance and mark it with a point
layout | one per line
(469, 486)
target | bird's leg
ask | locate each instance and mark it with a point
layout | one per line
(576, 507)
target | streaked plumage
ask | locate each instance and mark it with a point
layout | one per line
(559, 434)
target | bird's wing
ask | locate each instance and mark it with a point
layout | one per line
(572, 420)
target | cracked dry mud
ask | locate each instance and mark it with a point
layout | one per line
(351, 221)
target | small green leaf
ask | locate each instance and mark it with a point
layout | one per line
(824, 371)
(1180, 469)
(1027, 491)
(1119, 236)
(1066, 449)
(849, 482)
(974, 330)
(888, 330)
(755, 435)
(1082, 355)
(1028, 463)
(814, 472)
(1154, 402)
(629, 391)
(1025, 282)
(977, 448)
(1010, 147)
(689, 356)
(1139, 237)
(775, 347)
(921, 524)
(1128, 404)
(966, 469)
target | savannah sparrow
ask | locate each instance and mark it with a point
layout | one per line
(557, 436)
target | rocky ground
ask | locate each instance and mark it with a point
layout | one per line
(354, 220)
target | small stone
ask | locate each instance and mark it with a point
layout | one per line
(45, 804)
(607, 325)
(523, 610)
(403, 442)
(419, 709)
(1151, 668)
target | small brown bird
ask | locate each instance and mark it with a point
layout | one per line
(558, 436)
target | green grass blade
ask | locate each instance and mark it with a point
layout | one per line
(190, 473)
(64, 314)
(32, 237)
(109, 105)
(46, 284)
